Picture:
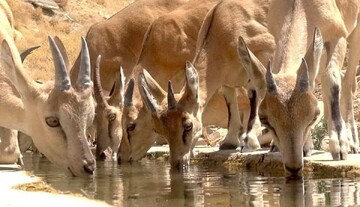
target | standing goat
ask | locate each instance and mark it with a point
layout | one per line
(180, 118)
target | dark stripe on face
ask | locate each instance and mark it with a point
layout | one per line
(335, 108)
(128, 138)
(228, 109)
(184, 137)
(252, 97)
(109, 129)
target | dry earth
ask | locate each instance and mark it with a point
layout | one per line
(69, 23)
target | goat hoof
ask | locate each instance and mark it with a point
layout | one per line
(102, 156)
(335, 156)
(274, 148)
(227, 146)
(353, 150)
(307, 153)
(343, 155)
(20, 161)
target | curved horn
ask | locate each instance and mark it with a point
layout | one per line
(62, 49)
(84, 80)
(128, 97)
(172, 103)
(270, 81)
(27, 52)
(302, 81)
(62, 80)
(117, 95)
(98, 91)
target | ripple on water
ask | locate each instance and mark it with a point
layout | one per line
(150, 183)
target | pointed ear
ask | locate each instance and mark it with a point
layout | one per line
(148, 98)
(11, 64)
(270, 80)
(302, 80)
(63, 52)
(117, 96)
(156, 90)
(313, 57)
(253, 67)
(192, 82)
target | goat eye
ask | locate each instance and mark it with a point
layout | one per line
(188, 127)
(111, 117)
(264, 121)
(131, 127)
(52, 121)
(314, 120)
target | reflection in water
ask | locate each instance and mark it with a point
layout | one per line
(150, 183)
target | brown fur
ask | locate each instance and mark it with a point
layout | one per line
(178, 119)
(293, 24)
(119, 41)
(179, 29)
(55, 118)
(217, 63)
(9, 147)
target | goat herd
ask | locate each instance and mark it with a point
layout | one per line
(195, 49)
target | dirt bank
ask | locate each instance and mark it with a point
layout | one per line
(319, 165)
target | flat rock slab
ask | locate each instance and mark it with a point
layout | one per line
(46, 4)
(319, 165)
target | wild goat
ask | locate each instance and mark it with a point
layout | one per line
(179, 29)
(55, 114)
(9, 147)
(108, 115)
(289, 106)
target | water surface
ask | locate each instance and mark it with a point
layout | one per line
(150, 183)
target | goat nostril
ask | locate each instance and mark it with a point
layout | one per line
(89, 169)
(293, 170)
(102, 156)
